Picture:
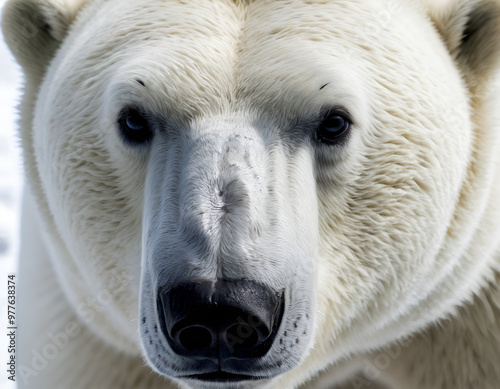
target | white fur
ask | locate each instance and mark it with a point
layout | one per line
(373, 241)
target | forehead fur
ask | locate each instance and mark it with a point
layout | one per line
(225, 54)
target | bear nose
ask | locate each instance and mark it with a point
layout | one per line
(228, 320)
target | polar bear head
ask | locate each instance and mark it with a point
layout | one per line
(280, 183)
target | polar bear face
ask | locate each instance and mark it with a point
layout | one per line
(305, 156)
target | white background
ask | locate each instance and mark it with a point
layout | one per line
(10, 188)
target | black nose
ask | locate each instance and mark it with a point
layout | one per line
(221, 321)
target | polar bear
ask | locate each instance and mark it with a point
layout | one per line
(259, 194)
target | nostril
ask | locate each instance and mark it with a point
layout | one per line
(195, 337)
(228, 320)
(241, 336)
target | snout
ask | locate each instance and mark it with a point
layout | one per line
(229, 321)
(228, 276)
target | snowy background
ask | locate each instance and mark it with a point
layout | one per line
(10, 187)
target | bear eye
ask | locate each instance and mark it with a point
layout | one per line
(134, 126)
(333, 128)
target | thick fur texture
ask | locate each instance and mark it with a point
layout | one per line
(386, 245)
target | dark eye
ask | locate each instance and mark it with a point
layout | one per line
(333, 128)
(134, 126)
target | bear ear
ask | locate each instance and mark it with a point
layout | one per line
(471, 31)
(34, 29)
